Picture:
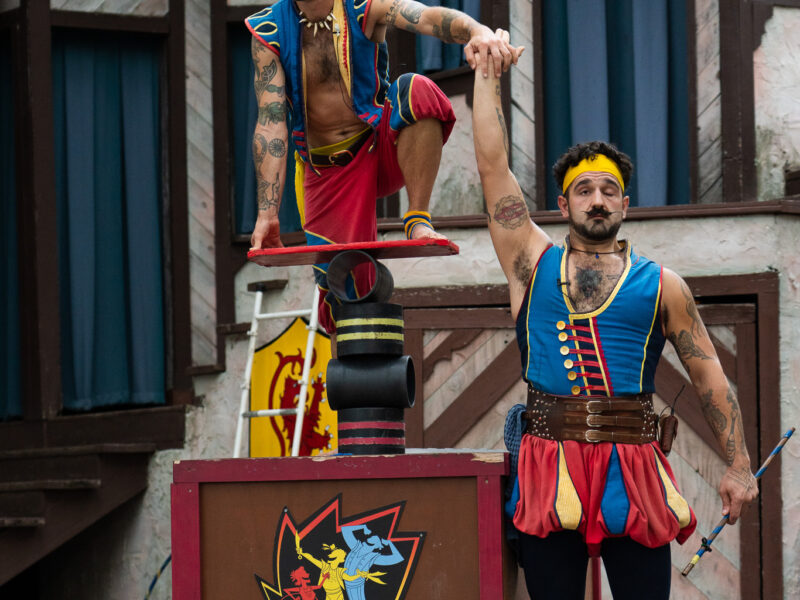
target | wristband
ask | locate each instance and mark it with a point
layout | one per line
(413, 218)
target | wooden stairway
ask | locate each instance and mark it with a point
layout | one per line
(50, 494)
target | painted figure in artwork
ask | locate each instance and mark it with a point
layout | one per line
(366, 549)
(304, 589)
(332, 574)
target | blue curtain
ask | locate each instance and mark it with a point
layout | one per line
(433, 55)
(106, 96)
(10, 400)
(617, 70)
(244, 113)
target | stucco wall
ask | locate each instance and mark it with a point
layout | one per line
(776, 67)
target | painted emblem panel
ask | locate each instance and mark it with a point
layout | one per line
(275, 383)
(327, 557)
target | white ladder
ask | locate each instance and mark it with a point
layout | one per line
(299, 411)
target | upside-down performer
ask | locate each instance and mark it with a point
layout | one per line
(357, 137)
(592, 319)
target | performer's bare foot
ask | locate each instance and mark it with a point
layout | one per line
(423, 232)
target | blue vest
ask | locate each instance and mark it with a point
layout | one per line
(278, 27)
(611, 351)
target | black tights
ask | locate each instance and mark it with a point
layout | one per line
(555, 567)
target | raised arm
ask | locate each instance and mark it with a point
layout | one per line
(270, 142)
(450, 26)
(517, 241)
(686, 332)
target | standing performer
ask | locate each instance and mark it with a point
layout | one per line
(357, 137)
(592, 318)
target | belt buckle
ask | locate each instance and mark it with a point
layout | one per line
(340, 159)
(593, 436)
(592, 420)
(596, 406)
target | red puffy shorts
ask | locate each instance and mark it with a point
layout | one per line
(339, 201)
(601, 490)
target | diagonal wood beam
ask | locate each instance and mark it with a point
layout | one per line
(456, 340)
(476, 400)
(668, 382)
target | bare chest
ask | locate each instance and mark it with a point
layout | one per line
(322, 68)
(591, 280)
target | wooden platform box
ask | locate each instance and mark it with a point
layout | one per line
(417, 526)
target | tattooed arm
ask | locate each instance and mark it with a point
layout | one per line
(688, 335)
(450, 26)
(517, 241)
(270, 141)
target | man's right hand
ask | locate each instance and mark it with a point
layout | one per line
(267, 232)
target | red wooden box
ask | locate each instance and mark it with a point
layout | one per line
(236, 524)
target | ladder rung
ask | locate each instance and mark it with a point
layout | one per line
(286, 313)
(272, 412)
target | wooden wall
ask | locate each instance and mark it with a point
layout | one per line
(709, 107)
(200, 141)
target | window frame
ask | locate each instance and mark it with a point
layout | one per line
(32, 25)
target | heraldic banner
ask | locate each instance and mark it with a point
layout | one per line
(275, 383)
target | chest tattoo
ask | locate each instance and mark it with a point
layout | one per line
(588, 281)
(591, 280)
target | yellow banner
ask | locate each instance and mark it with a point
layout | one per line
(275, 383)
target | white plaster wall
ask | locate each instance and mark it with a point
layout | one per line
(776, 65)
(149, 8)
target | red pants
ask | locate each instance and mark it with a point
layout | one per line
(339, 202)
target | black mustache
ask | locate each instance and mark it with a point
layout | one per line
(600, 213)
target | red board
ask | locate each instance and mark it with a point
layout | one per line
(310, 255)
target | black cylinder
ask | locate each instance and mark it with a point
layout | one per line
(375, 328)
(370, 381)
(371, 431)
(344, 262)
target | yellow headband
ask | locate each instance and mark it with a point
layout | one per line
(600, 162)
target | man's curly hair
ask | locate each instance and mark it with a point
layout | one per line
(578, 152)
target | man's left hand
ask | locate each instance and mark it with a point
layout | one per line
(737, 489)
(485, 45)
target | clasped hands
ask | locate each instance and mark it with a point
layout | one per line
(484, 44)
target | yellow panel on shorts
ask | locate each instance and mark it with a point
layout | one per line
(568, 504)
(674, 500)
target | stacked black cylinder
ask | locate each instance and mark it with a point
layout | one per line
(371, 382)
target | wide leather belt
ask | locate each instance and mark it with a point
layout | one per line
(342, 157)
(624, 420)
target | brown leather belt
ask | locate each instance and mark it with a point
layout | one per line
(626, 420)
(342, 157)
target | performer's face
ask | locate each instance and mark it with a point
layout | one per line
(594, 206)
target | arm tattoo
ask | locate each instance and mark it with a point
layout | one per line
(412, 12)
(264, 78)
(449, 34)
(391, 14)
(686, 348)
(502, 122)
(736, 425)
(268, 194)
(272, 112)
(511, 212)
(259, 148)
(713, 415)
(277, 147)
(691, 310)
